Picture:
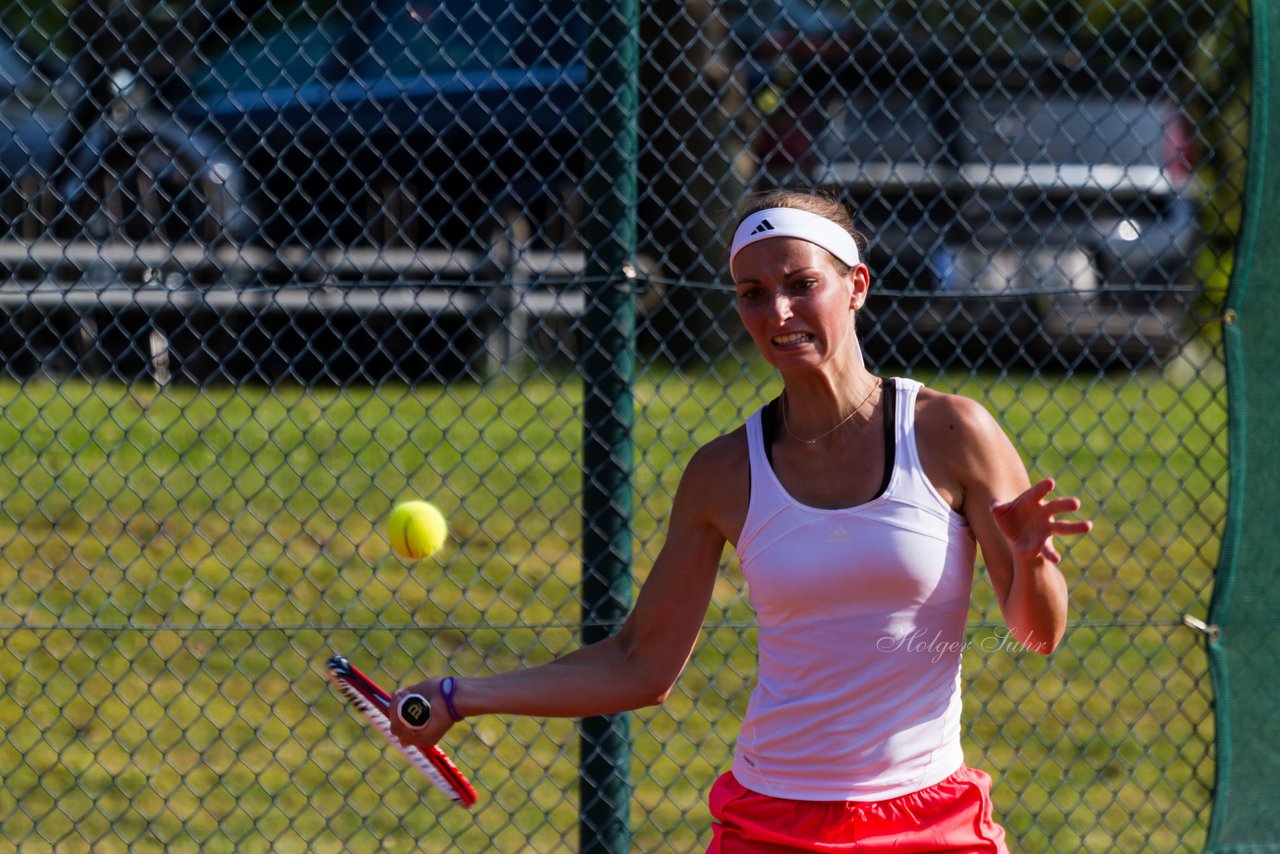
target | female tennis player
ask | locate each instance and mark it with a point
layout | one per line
(856, 505)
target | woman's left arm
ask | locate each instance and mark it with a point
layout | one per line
(1013, 521)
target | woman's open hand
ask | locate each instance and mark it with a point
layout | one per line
(1029, 521)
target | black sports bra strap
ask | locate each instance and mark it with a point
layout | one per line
(769, 427)
(890, 432)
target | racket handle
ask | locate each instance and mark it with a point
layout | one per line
(414, 711)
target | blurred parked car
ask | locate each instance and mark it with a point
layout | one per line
(441, 125)
(401, 143)
(131, 176)
(102, 197)
(393, 124)
(1022, 201)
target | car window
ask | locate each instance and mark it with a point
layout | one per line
(447, 35)
(291, 56)
(892, 126)
(401, 40)
(1030, 128)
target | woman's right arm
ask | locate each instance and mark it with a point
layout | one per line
(638, 665)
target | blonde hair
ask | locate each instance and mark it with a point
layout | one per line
(823, 204)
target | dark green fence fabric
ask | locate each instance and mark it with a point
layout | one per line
(1245, 614)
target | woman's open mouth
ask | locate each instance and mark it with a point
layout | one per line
(791, 339)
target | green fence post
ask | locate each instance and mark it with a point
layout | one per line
(608, 366)
(1244, 653)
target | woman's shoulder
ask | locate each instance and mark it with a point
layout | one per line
(958, 440)
(720, 458)
(716, 483)
(947, 419)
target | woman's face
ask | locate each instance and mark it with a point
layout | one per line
(796, 305)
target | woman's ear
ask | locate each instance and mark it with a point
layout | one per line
(861, 278)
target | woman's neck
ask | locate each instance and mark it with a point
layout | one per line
(816, 404)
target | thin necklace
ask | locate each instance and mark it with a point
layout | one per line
(787, 424)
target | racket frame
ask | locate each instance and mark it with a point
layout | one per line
(374, 705)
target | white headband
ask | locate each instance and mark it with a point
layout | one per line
(790, 222)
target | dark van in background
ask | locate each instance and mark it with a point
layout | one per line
(1022, 201)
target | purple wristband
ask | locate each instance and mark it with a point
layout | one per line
(447, 687)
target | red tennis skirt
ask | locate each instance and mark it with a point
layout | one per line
(951, 816)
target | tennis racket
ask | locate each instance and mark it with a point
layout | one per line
(374, 705)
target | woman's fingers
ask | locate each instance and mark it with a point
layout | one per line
(1039, 490)
(1071, 526)
(1069, 504)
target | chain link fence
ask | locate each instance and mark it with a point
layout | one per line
(271, 267)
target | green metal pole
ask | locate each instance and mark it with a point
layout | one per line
(608, 366)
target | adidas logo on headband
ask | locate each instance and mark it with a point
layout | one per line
(790, 222)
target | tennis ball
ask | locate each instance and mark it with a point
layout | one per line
(416, 529)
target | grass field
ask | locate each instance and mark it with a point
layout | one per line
(177, 564)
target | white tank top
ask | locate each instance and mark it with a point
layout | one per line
(861, 617)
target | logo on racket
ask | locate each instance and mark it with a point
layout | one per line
(415, 711)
